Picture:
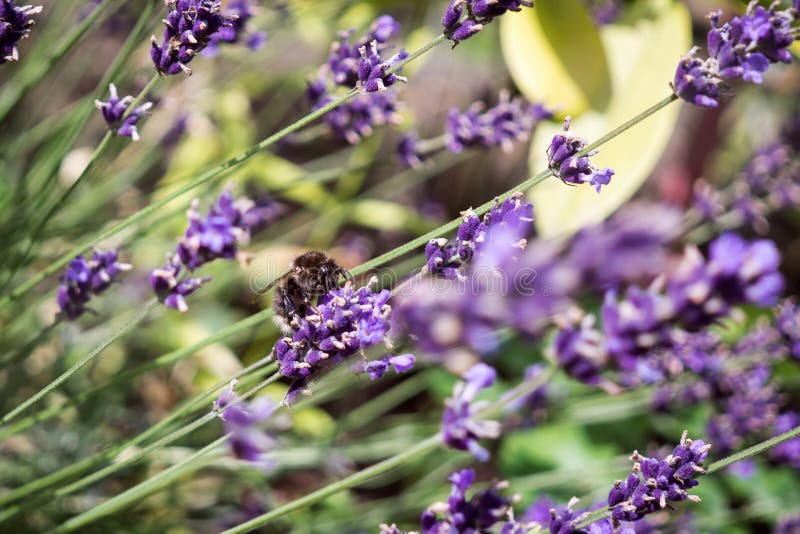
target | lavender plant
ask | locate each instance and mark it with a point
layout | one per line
(517, 366)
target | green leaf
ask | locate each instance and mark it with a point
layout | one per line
(555, 56)
(642, 59)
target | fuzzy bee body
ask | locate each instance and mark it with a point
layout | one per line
(311, 276)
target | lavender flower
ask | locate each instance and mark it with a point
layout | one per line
(742, 48)
(443, 258)
(464, 18)
(461, 429)
(189, 27)
(507, 121)
(86, 278)
(346, 321)
(239, 13)
(401, 363)
(357, 118)
(15, 24)
(373, 72)
(483, 510)
(170, 288)
(737, 272)
(114, 109)
(572, 169)
(563, 519)
(578, 347)
(788, 524)
(409, 150)
(244, 422)
(654, 483)
(229, 223)
(787, 321)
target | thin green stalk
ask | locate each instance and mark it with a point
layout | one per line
(167, 359)
(201, 179)
(70, 471)
(16, 89)
(192, 463)
(139, 317)
(420, 449)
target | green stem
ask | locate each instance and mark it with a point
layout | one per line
(204, 399)
(16, 89)
(353, 480)
(139, 317)
(192, 463)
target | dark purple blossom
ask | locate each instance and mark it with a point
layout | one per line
(357, 118)
(346, 321)
(476, 514)
(570, 168)
(631, 246)
(244, 422)
(85, 278)
(114, 109)
(189, 27)
(238, 13)
(409, 150)
(15, 24)
(787, 452)
(228, 224)
(464, 18)
(787, 322)
(654, 484)
(170, 288)
(402, 363)
(345, 57)
(507, 121)
(578, 347)
(742, 48)
(788, 524)
(374, 73)
(461, 427)
(516, 215)
(563, 519)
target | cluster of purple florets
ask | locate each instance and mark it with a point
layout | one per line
(571, 168)
(346, 321)
(358, 63)
(462, 427)
(510, 120)
(743, 48)
(227, 225)
(464, 18)
(244, 422)
(445, 259)
(238, 13)
(15, 24)
(478, 513)
(114, 109)
(654, 484)
(85, 278)
(189, 27)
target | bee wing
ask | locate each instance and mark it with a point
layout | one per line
(272, 284)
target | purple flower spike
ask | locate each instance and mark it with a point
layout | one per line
(114, 109)
(15, 24)
(244, 422)
(508, 121)
(788, 323)
(86, 278)
(373, 72)
(377, 368)
(238, 13)
(464, 18)
(479, 513)
(346, 321)
(655, 484)
(189, 27)
(572, 169)
(579, 347)
(743, 48)
(170, 289)
(461, 429)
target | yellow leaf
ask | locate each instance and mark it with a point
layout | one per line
(641, 59)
